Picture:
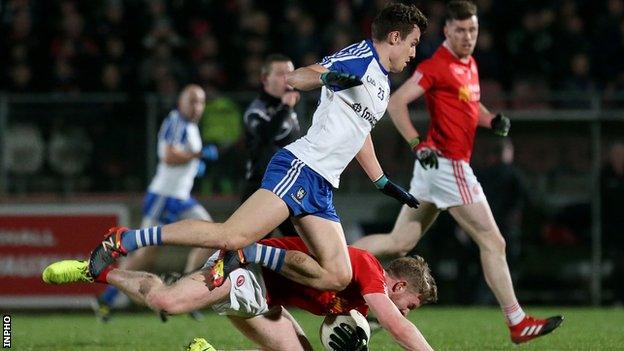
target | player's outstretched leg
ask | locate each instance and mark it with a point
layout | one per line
(531, 328)
(105, 254)
(246, 225)
(66, 272)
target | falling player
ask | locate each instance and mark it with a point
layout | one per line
(254, 300)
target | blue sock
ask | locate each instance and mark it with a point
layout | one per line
(109, 295)
(267, 256)
(135, 239)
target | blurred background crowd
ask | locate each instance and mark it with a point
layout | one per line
(524, 47)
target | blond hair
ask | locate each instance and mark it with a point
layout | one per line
(416, 272)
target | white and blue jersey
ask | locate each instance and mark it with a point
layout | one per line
(304, 173)
(344, 118)
(169, 193)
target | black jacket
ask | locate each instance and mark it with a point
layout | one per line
(269, 126)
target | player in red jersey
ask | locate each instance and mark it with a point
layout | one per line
(254, 298)
(443, 178)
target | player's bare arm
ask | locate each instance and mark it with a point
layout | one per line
(175, 156)
(485, 116)
(368, 160)
(306, 78)
(314, 76)
(398, 108)
(402, 330)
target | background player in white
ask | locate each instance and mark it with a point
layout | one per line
(168, 199)
(443, 178)
(300, 179)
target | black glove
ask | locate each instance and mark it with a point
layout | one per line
(500, 125)
(344, 338)
(427, 157)
(340, 80)
(389, 188)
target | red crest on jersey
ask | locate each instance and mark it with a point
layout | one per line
(240, 280)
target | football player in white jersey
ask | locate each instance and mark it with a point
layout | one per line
(300, 179)
(168, 199)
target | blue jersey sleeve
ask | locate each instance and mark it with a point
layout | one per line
(353, 59)
(173, 130)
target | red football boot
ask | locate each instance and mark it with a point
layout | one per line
(531, 328)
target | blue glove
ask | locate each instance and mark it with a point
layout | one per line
(210, 152)
(201, 169)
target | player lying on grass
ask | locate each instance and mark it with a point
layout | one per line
(253, 297)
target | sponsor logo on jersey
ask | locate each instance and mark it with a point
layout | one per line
(371, 80)
(469, 92)
(364, 113)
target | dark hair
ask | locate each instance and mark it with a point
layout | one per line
(460, 10)
(416, 272)
(398, 17)
(268, 61)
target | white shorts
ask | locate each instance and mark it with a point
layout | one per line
(248, 292)
(452, 184)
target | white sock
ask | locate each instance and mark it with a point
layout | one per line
(514, 314)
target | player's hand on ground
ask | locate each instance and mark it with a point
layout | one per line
(427, 157)
(341, 80)
(500, 125)
(210, 152)
(387, 187)
(345, 338)
(291, 98)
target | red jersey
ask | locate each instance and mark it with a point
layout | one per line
(368, 278)
(452, 94)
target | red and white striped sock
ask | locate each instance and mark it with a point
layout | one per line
(514, 314)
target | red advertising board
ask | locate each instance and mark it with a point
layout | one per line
(33, 236)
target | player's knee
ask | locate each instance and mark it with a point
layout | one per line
(235, 238)
(340, 279)
(344, 280)
(496, 243)
(234, 242)
(159, 301)
(163, 301)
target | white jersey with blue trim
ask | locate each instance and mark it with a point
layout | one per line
(344, 118)
(176, 180)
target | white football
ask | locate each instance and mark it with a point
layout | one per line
(354, 318)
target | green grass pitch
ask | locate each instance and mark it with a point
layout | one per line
(446, 328)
